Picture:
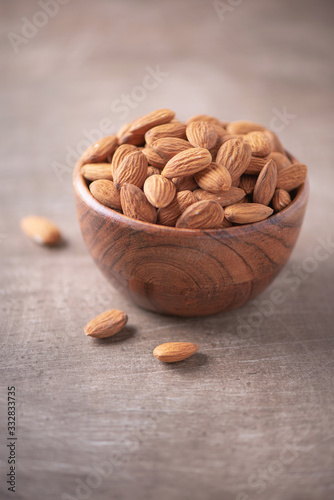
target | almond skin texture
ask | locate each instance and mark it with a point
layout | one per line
(259, 142)
(205, 118)
(247, 183)
(201, 134)
(119, 155)
(207, 214)
(106, 193)
(266, 184)
(100, 150)
(168, 216)
(186, 183)
(291, 177)
(159, 191)
(246, 213)
(243, 127)
(175, 351)
(256, 164)
(96, 171)
(234, 155)
(153, 158)
(152, 171)
(40, 230)
(214, 178)
(135, 204)
(281, 160)
(126, 137)
(175, 129)
(281, 200)
(275, 142)
(144, 123)
(168, 147)
(187, 163)
(106, 324)
(132, 170)
(224, 198)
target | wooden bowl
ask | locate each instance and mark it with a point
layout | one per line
(187, 272)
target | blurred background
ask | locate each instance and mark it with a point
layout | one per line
(72, 71)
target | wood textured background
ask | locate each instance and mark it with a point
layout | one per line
(251, 415)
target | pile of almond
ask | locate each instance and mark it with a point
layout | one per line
(203, 174)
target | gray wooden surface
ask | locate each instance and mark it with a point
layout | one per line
(251, 415)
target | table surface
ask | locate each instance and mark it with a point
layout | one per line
(250, 416)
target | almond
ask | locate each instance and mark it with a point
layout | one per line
(96, 171)
(106, 193)
(176, 129)
(168, 147)
(153, 158)
(275, 142)
(144, 123)
(233, 195)
(281, 199)
(132, 170)
(243, 127)
(281, 160)
(205, 118)
(119, 155)
(266, 184)
(214, 178)
(186, 183)
(201, 134)
(291, 177)
(135, 204)
(130, 138)
(256, 164)
(246, 213)
(207, 214)
(247, 183)
(41, 230)
(259, 142)
(106, 324)
(100, 150)
(168, 216)
(159, 191)
(234, 155)
(152, 171)
(175, 351)
(187, 162)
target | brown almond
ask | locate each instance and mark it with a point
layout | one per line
(205, 118)
(187, 162)
(281, 160)
(201, 134)
(186, 183)
(167, 147)
(119, 155)
(207, 214)
(281, 200)
(214, 178)
(144, 123)
(168, 216)
(106, 324)
(233, 195)
(153, 158)
(291, 177)
(234, 155)
(132, 170)
(159, 190)
(106, 193)
(243, 127)
(259, 142)
(175, 351)
(135, 204)
(96, 171)
(175, 129)
(266, 184)
(41, 230)
(152, 171)
(256, 164)
(247, 183)
(100, 150)
(275, 142)
(247, 213)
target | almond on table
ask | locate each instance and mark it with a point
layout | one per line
(106, 324)
(171, 352)
(41, 230)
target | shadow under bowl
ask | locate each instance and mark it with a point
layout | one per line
(187, 272)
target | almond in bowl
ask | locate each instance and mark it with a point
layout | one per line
(190, 218)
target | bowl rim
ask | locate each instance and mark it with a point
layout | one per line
(83, 192)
